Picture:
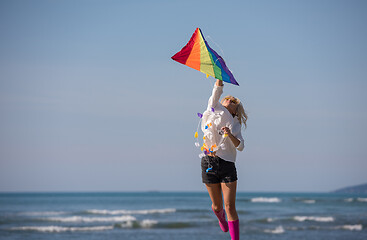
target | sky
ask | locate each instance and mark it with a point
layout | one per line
(90, 99)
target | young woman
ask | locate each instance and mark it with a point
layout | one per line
(218, 167)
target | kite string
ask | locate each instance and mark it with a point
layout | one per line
(221, 50)
(211, 82)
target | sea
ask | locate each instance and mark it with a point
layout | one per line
(180, 216)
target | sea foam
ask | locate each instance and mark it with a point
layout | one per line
(119, 212)
(266, 200)
(61, 229)
(277, 230)
(148, 223)
(313, 218)
(357, 227)
(125, 218)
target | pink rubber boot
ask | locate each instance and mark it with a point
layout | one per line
(222, 219)
(234, 229)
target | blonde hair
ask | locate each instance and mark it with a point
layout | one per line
(240, 111)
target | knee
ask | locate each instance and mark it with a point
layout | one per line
(230, 207)
(217, 207)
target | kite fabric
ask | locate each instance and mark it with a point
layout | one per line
(198, 55)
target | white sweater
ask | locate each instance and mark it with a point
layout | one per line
(227, 151)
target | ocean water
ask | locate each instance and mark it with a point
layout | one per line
(181, 216)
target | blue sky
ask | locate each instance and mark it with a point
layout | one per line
(91, 101)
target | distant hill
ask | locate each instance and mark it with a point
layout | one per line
(353, 189)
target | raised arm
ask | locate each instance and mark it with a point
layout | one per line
(219, 82)
(217, 92)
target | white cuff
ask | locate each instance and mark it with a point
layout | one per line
(240, 146)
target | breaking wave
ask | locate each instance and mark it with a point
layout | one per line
(125, 218)
(122, 211)
(357, 227)
(277, 230)
(149, 223)
(313, 218)
(266, 200)
(143, 224)
(61, 229)
(357, 199)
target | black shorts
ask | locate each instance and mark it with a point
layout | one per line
(217, 170)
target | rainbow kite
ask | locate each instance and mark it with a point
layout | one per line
(198, 55)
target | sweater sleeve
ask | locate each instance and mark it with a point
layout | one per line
(214, 98)
(240, 146)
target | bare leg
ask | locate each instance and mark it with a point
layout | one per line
(215, 193)
(229, 195)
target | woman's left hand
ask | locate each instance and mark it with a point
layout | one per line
(226, 130)
(234, 140)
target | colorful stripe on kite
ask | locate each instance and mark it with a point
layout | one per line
(198, 55)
